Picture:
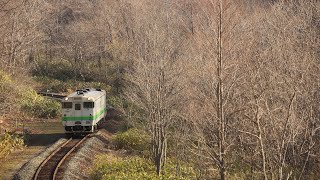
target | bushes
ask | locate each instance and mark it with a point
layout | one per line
(43, 108)
(55, 85)
(38, 106)
(8, 143)
(137, 167)
(5, 80)
(59, 69)
(115, 101)
(65, 70)
(6, 96)
(16, 96)
(110, 167)
(133, 139)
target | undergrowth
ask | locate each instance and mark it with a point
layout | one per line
(9, 143)
(111, 167)
(37, 105)
(57, 86)
(132, 139)
(19, 99)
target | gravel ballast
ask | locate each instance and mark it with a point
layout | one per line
(28, 169)
(79, 166)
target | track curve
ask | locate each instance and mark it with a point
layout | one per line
(49, 168)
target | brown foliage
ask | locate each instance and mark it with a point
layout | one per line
(236, 90)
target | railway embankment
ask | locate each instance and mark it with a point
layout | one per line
(28, 169)
(80, 164)
(46, 136)
(39, 134)
(77, 165)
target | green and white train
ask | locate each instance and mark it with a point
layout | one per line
(83, 110)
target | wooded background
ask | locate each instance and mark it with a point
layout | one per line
(230, 86)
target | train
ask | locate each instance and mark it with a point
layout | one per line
(83, 110)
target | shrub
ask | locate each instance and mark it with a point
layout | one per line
(19, 96)
(37, 105)
(5, 80)
(6, 95)
(55, 85)
(114, 101)
(132, 139)
(59, 69)
(8, 143)
(110, 167)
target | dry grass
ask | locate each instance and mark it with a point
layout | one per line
(41, 134)
(13, 162)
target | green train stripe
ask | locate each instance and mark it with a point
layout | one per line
(79, 118)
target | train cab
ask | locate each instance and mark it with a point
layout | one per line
(83, 110)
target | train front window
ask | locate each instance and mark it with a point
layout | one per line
(88, 105)
(77, 106)
(67, 105)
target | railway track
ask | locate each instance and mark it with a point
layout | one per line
(50, 167)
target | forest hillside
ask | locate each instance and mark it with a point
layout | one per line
(223, 89)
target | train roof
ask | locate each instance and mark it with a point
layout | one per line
(86, 93)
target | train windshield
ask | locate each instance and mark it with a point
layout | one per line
(67, 105)
(88, 105)
(77, 106)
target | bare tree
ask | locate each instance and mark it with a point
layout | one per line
(155, 81)
(21, 33)
(277, 114)
(218, 75)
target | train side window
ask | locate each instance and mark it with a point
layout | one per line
(77, 106)
(88, 105)
(67, 105)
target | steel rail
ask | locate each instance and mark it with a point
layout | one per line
(66, 155)
(62, 160)
(48, 158)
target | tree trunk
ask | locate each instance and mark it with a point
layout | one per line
(220, 98)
